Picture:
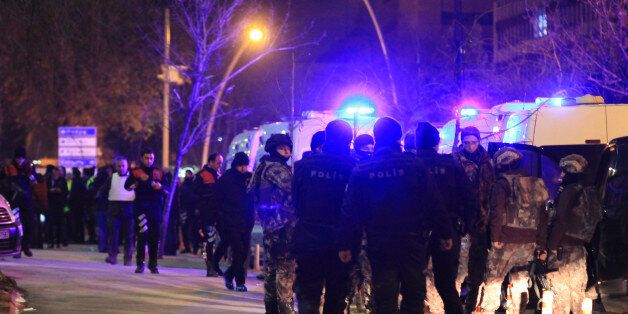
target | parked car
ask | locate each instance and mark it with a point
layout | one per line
(10, 230)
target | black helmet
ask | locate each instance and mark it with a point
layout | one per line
(276, 140)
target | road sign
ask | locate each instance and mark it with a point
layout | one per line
(78, 146)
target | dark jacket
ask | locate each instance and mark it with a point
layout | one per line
(144, 192)
(480, 172)
(318, 189)
(205, 188)
(499, 231)
(57, 192)
(459, 197)
(567, 200)
(235, 210)
(394, 197)
(17, 183)
(187, 197)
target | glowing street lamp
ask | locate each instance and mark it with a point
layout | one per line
(255, 34)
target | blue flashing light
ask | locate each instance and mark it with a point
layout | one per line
(358, 105)
(554, 102)
(469, 112)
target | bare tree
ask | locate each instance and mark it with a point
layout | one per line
(211, 29)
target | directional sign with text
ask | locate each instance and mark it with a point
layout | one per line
(78, 146)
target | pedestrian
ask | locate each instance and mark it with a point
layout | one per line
(187, 204)
(318, 188)
(90, 205)
(462, 207)
(119, 213)
(57, 195)
(40, 197)
(476, 163)
(578, 212)
(205, 188)
(316, 144)
(395, 199)
(150, 189)
(18, 181)
(363, 147)
(271, 190)
(101, 206)
(518, 227)
(236, 218)
(77, 202)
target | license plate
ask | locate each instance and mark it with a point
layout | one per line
(5, 234)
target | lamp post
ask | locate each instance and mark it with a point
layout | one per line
(254, 35)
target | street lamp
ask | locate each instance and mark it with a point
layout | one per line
(255, 34)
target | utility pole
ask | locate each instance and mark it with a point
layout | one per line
(292, 107)
(459, 74)
(165, 151)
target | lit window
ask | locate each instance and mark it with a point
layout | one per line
(540, 25)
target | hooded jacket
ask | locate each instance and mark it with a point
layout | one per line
(235, 210)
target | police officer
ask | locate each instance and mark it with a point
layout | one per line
(393, 196)
(316, 144)
(318, 189)
(518, 226)
(363, 146)
(409, 144)
(476, 163)
(571, 230)
(150, 189)
(462, 207)
(236, 218)
(205, 185)
(271, 188)
(18, 181)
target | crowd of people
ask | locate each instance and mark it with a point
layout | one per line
(341, 224)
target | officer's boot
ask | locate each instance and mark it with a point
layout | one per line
(209, 260)
(140, 267)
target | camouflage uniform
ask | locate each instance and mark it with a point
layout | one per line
(570, 281)
(360, 289)
(271, 188)
(500, 262)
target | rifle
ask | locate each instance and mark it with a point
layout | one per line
(537, 271)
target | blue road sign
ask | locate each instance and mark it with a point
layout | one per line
(77, 162)
(79, 131)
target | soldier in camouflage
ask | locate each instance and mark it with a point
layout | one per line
(476, 163)
(568, 237)
(271, 191)
(518, 226)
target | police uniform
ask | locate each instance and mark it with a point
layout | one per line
(462, 207)
(318, 189)
(148, 206)
(394, 198)
(205, 186)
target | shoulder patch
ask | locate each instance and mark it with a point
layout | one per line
(207, 177)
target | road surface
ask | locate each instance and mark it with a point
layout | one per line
(77, 280)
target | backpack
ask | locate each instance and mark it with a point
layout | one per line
(527, 198)
(585, 215)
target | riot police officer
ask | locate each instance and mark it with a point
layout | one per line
(318, 188)
(462, 206)
(394, 198)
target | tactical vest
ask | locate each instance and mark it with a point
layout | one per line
(527, 198)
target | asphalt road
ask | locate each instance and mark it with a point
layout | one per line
(76, 280)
